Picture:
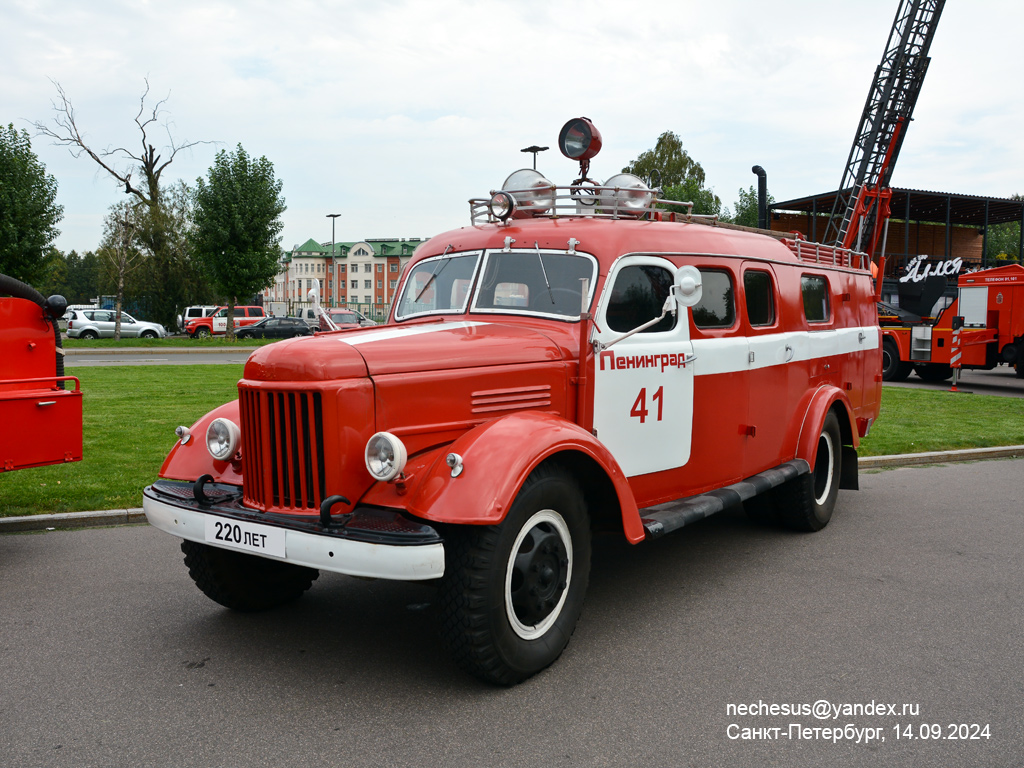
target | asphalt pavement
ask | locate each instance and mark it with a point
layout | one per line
(693, 650)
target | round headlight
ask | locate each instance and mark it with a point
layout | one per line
(628, 194)
(222, 438)
(579, 139)
(385, 456)
(502, 205)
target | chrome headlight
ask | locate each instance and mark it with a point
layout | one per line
(222, 439)
(385, 456)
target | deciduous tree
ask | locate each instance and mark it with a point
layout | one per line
(746, 207)
(681, 177)
(238, 225)
(28, 210)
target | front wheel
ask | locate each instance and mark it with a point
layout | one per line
(202, 332)
(805, 503)
(245, 582)
(512, 593)
(148, 334)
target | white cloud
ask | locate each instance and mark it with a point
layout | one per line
(396, 113)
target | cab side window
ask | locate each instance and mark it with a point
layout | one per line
(760, 297)
(717, 305)
(638, 296)
(816, 298)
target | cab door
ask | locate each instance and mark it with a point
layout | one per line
(643, 384)
(220, 321)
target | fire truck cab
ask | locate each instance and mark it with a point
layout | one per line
(577, 360)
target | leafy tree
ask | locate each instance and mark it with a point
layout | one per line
(681, 177)
(238, 225)
(28, 211)
(120, 249)
(746, 207)
(1003, 245)
(670, 160)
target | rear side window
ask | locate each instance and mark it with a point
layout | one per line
(815, 292)
(760, 297)
(256, 312)
(717, 305)
(638, 297)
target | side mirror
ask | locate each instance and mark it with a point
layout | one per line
(687, 286)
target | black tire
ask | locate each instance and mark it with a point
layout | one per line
(202, 332)
(1018, 368)
(806, 502)
(512, 593)
(934, 371)
(148, 334)
(893, 369)
(88, 335)
(244, 582)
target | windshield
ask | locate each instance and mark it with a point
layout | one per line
(532, 281)
(438, 285)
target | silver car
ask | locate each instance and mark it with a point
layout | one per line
(99, 324)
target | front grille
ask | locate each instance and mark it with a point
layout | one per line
(282, 449)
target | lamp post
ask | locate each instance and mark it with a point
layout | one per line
(534, 149)
(333, 265)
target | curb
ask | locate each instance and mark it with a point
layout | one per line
(66, 520)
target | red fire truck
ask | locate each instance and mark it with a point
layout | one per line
(577, 360)
(42, 420)
(983, 327)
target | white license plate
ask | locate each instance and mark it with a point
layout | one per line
(250, 537)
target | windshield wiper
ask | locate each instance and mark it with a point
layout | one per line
(544, 272)
(435, 273)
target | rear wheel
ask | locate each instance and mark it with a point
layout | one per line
(245, 582)
(88, 335)
(893, 369)
(512, 593)
(806, 502)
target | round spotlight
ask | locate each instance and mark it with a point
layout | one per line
(502, 205)
(579, 139)
(625, 193)
(222, 439)
(385, 456)
(533, 193)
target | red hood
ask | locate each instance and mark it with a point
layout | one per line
(394, 349)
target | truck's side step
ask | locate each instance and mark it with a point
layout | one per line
(672, 515)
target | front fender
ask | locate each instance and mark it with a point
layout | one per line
(814, 419)
(497, 458)
(192, 460)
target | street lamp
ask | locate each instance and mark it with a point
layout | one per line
(534, 149)
(334, 291)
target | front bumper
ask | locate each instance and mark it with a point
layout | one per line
(375, 543)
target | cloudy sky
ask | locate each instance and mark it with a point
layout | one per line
(394, 113)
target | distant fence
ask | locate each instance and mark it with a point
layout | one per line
(376, 312)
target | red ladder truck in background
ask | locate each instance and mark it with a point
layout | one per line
(42, 420)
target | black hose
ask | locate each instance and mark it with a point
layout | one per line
(54, 307)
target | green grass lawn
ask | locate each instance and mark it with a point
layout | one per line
(130, 412)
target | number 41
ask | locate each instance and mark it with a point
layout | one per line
(640, 411)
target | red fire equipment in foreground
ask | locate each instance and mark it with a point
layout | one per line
(41, 419)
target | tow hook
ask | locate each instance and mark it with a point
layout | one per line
(325, 511)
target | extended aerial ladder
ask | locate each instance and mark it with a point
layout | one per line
(862, 205)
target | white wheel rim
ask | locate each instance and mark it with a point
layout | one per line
(825, 442)
(526, 631)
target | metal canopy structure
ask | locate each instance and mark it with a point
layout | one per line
(946, 209)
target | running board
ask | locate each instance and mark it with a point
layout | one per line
(673, 515)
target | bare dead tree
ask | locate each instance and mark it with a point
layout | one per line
(146, 161)
(122, 163)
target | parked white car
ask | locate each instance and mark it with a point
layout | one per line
(99, 324)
